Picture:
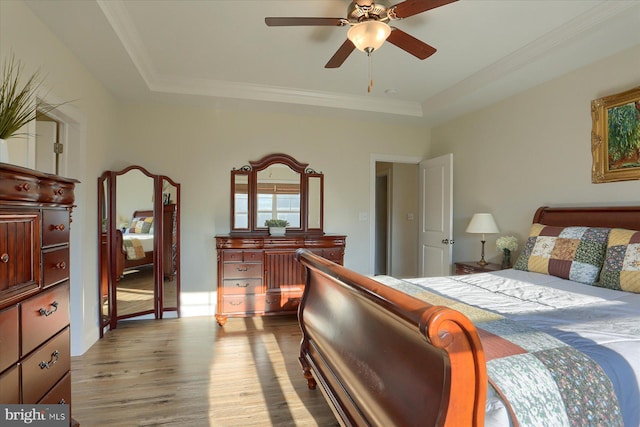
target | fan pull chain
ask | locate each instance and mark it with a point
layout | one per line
(370, 74)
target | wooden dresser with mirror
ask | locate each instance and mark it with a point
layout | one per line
(35, 354)
(257, 273)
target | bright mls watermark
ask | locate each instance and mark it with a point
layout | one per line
(34, 415)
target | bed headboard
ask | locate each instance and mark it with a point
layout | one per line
(598, 216)
(142, 214)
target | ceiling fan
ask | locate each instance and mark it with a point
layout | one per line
(369, 27)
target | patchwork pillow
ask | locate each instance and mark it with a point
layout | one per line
(574, 253)
(141, 225)
(621, 268)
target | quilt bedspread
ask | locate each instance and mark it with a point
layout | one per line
(541, 380)
(133, 248)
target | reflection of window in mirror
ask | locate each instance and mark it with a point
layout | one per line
(278, 195)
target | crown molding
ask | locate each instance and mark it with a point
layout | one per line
(531, 52)
(122, 24)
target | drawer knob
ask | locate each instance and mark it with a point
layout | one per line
(4, 258)
(54, 358)
(47, 313)
(58, 192)
(24, 187)
(245, 268)
(59, 227)
(61, 265)
(242, 285)
(235, 302)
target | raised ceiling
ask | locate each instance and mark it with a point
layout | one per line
(221, 53)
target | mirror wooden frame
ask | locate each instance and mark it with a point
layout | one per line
(307, 175)
(108, 247)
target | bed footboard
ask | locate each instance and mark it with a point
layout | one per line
(384, 358)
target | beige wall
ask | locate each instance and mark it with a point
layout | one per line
(531, 150)
(199, 147)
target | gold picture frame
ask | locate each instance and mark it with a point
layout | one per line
(615, 137)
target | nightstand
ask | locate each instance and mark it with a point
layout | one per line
(470, 267)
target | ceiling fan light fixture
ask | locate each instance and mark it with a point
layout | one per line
(368, 36)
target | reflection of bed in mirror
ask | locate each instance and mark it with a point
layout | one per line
(136, 242)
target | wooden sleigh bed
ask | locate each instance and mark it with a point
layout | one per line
(383, 357)
(123, 262)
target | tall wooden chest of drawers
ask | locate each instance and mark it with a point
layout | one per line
(35, 215)
(258, 275)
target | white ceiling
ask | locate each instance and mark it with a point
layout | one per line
(221, 53)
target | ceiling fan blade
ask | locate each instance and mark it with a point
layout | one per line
(410, 44)
(413, 7)
(341, 54)
(287, 22)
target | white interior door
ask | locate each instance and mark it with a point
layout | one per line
(436, 216)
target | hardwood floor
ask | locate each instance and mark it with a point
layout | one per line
(191, 372)
(135, 291)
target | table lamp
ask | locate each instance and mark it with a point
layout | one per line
(482, 223)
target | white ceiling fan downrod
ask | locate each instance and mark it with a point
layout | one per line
(370, 72)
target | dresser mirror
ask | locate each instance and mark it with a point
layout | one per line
(139, 245)
(276, 187)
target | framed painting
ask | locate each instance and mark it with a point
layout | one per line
(615, 137)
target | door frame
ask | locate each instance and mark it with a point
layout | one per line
(391, 158)
(73, 132)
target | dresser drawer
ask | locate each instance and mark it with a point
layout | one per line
(59, 394)
(15, 186)
(55, 266)
(10, 386)
(285, 298)
(55, 227)
(243, 303)
(9, 341)
(239, 256)
(45, 367)
(239, 270)
(43, 315)
(56, 192)
(334, 254)
(233, 256)
(242, 286)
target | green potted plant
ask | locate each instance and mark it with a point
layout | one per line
(19, 104)
(277, 227)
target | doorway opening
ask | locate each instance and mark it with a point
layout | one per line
(394, 215)
(382, 237)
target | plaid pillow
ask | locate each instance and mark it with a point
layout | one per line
(141, 225)
(574, 253)
(621, 269)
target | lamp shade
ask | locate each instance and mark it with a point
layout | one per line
(368, 36)
(482, 223)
